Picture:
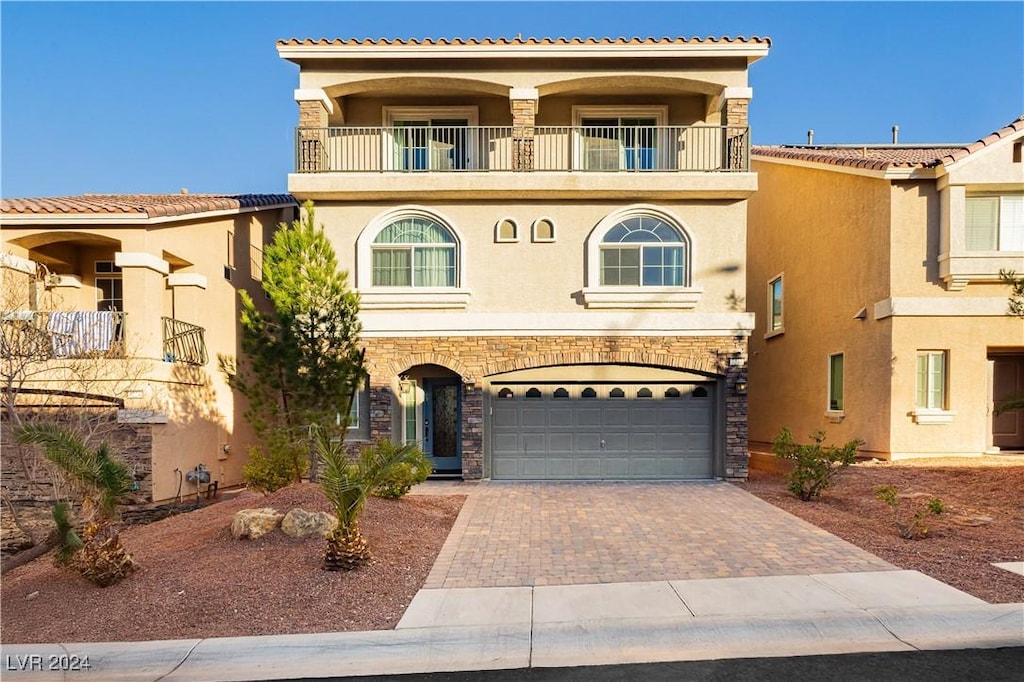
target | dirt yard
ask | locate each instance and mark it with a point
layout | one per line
(983, 522)
(197, 581)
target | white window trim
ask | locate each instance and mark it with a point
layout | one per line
(543, 240)
(395, 298)
(769, 332)
(390, 115)
(926, 416)
(498, 239)
(958, 267)
(678, 298)
(934, 415)
(580, 112)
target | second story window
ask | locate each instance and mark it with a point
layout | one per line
(995, 223)
(414, 252)
(643, 251)
(775, 308)
(109, 286)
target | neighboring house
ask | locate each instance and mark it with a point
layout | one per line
(873, 273)
(548, 237)
(123, 302)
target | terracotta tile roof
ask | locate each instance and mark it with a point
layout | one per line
(884, 157)
(145, 205)
(590, 40)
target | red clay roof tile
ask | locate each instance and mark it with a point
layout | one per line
(576, 40)
(145, 205)
(883, 157)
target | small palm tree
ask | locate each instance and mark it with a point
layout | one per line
(347, 482)
(101, 480)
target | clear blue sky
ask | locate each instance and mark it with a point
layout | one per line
(153, 97)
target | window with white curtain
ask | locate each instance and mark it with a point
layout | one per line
(995, 223)
(414, 251)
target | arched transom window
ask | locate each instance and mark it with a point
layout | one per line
(643, 250)
(414, 251)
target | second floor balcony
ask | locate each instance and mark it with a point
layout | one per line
(507, 149)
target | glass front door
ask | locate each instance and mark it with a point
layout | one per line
(442, 441)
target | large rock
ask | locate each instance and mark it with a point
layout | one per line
(255, 523)
(299, 523)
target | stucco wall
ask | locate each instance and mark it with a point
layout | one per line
(828, 234)
(547, 277)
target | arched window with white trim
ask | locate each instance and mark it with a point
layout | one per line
(640, 257)
(414, 252)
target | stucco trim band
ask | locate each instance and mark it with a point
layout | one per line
(598, 323)
(315, 95)
(926, 306)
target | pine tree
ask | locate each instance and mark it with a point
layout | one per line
(301, 362)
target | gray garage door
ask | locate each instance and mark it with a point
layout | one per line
(602, 431)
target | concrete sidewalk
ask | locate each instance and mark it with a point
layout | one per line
(570, 625)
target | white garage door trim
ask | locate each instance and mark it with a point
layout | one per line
(602, 431)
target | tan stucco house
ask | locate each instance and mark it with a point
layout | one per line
(548, 237)
(124, 302)
(873, 274)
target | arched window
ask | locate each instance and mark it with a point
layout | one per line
(643, 250)
(533, 393)
(414, 251)
(560, 393)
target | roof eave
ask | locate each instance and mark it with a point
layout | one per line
(297, 53)
(125, 219)
(887, 173)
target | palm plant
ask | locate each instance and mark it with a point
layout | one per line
(102, 480)
(347, 482)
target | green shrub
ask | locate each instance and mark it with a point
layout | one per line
(404, 476)
(913, 528)
(270, 471)
(815, 465)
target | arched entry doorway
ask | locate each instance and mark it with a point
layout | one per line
(431, 415)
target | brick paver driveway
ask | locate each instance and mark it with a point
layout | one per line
(525, 534)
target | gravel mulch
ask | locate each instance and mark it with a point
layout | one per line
(195, 580)
(983, 522)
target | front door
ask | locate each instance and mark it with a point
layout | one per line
(442, 439)
(1008, 380)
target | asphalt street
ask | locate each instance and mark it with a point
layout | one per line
(990, 665)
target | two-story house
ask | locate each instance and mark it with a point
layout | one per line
(548, 238)
(873, 273)
(116, 307)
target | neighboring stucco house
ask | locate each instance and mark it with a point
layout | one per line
(548, 237)
(873, 274)
(123, 302)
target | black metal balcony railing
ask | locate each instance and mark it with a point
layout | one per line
(184, 342)
(523, 149)
(62, 334)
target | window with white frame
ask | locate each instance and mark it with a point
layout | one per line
(643, 250)
(775, 308)
(414, 251)
(931, 379)
(835, 382)
(613, 138)
(358, 413)
(430, 138)
(995, 223)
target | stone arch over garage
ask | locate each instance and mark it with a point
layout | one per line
(704, 364)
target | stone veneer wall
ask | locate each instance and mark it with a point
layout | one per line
(26, 479)
(474, 358)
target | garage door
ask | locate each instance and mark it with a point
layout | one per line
(543, 431)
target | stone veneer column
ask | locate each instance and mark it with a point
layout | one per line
(524, 104)
(381, 421)
(735, 110)
(314, 108)
(472, 432)
(737, 455)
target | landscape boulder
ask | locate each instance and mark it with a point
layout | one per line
(255, 523)
(299, 523)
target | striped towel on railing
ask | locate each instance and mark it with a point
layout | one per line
(79, 332)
